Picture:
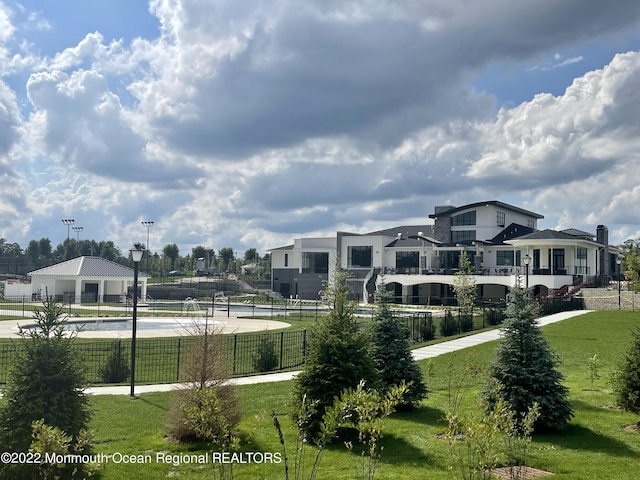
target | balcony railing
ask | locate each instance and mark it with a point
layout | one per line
(499, 271)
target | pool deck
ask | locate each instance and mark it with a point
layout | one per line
(233, 323)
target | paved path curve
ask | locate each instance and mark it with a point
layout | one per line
(422, 353)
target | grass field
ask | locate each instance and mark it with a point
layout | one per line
(595, 446)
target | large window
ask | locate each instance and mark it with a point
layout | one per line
(468, 218)
(500, 219)
(558, 261)
(407, 260)
(458, 236)
(504, 258)
(315, 262)
(581, 261)
(360, 256)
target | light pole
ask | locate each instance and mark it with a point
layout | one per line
(68, 222)
(136, 255)
(527, 259)
(618, 262)
(78, 230)
(148, 224)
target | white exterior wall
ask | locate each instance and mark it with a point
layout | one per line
(377, 242)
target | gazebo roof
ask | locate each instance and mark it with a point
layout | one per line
(87, 267)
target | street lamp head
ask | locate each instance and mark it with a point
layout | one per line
(618, 260)
(527, 259)
(136, 253)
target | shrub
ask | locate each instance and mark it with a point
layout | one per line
(117, 369)
(448, 325)
(495, 316)
(265, 358)
(427, 330)
(466, 322)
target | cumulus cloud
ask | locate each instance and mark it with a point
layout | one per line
(257, 121)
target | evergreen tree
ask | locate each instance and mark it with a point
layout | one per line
(523, 371)
(392, 354)
(627, 379)
(46, 383)
(339, 357)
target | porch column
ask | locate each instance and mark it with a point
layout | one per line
(78, 292)
(101, 291)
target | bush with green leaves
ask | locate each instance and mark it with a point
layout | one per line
(627, 377)
(466, 322)
(46, 383)
(524, 368)
(392, 354)
(265, 358)
(495, 316)
(339, 355)
(448, 324)
(117, 368)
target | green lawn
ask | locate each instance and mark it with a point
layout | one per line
(596, 445)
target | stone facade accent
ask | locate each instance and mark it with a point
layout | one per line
(607, 299)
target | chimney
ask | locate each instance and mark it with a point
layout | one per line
(602, 237)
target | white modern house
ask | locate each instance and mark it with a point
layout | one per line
(85, 280)
(418, 263)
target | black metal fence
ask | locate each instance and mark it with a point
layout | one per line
(162, 360)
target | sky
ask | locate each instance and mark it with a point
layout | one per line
(248, 124)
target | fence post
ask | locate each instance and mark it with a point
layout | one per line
(235, 349)
(304, 344)
(23, 310)
(228, 306)
(281, 349)
(178, 362)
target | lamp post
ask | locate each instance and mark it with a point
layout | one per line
(148, 224)
(68, 222)
(136, 255)
(78, 230)
(618, 262)
(527, 259)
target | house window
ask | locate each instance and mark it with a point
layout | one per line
(458, 236)
(504, 258)
(407, 260)
(360, 256)
(315, 262)
(581, 261)
(286, 259)
(500, 219)
(531, 224)
(468, 218)
(558, 261)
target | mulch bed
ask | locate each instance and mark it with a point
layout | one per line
(521, 473)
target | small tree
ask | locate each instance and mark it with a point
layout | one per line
(627, 378)
(117, 368)
(524, 368)
(45, 384)
(466, 291)
(392, 354)
(339, 355)
(206, 376)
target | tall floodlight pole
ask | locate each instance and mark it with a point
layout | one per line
(136, 254)
(148, 224)
(78, 230)
(68, 222)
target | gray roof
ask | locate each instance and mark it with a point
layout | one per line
(547, 235)
(578, 233)
(87, 267)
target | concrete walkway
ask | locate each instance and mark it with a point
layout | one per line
(419, 354)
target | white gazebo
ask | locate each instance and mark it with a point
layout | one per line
(85, 279)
